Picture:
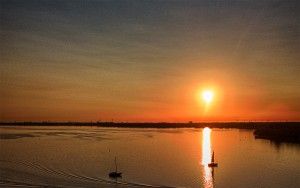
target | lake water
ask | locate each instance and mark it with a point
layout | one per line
(83, 157)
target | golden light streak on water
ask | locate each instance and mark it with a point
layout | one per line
(206, 146)
(206, 158)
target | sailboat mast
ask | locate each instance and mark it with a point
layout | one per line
(116, 164)
(213, 157)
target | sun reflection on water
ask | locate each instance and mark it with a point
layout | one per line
(206, 147)
(206, 158)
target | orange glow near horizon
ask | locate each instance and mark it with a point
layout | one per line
(198, 101)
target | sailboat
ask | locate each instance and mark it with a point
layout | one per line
(115, 174)
(213, 164)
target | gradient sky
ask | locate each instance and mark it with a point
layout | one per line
(148, 60)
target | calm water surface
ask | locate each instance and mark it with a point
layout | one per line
(83, 157)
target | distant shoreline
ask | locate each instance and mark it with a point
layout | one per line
(239, 125)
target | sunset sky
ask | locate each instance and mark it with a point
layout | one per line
(150, 60)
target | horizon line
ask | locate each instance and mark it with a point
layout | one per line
(154, 122)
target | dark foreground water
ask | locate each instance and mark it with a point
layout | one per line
(83, 157)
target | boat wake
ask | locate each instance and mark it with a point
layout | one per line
(28, 174)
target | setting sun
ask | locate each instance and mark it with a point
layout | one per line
(207, 96)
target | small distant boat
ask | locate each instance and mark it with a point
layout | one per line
(115, 174)
(213, 164)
